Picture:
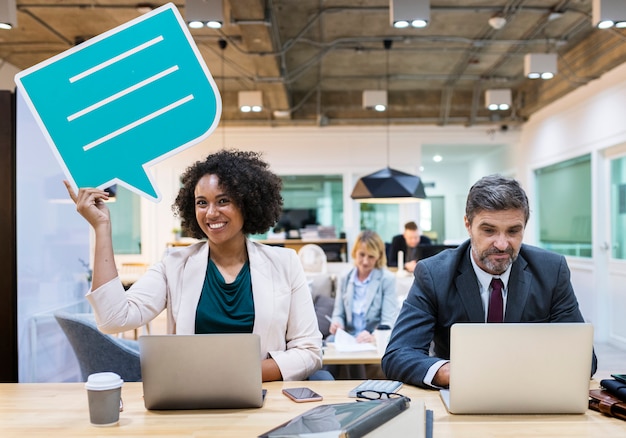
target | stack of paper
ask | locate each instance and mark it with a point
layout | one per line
(344, 341)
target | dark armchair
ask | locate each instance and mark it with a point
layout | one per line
(96, 351)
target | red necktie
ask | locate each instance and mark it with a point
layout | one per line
(495, 312)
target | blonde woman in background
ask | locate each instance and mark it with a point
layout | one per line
(367, 293)
(366, 296)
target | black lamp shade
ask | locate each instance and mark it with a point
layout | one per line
(389, 185)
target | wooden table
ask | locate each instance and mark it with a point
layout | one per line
(326, 244)
(333, 357)
(60, 410)
(296, 244)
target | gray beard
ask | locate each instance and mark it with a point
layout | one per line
(494, 268)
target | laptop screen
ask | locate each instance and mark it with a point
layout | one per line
(528, 368)
(201, 371)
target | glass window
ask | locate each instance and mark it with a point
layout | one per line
(382, 218)
(618, 208)
(126, 222)
(308, 200)
(564, 204)
(426, 213)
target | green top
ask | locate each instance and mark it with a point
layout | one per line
(225, 308)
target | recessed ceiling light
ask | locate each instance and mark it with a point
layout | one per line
(282, 114)
(144, 8)
(497, 21)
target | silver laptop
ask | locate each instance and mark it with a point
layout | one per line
(533, 368)
(201, 371)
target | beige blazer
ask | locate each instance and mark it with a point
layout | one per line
(284, 315)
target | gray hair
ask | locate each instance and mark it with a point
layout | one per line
(494, 193)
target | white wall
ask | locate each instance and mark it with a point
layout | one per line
(588, 121)
(348, 151)
(453, 181)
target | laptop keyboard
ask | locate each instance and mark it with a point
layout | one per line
(376, 385)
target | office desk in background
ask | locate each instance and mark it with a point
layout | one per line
(60, 410)
(333, 357)
(336, 249)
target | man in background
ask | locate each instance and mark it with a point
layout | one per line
(407, 242)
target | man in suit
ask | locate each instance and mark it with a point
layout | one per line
(455, 285)
(407, 242)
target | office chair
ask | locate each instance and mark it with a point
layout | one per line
(313, 258)
(97, 352)
(314, 262)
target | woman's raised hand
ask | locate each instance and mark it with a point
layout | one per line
(90, 204)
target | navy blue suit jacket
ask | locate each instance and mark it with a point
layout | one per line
(445, 291)
(399, 244)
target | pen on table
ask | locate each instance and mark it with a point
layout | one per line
(331, 321)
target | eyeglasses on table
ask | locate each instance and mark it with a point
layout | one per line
(379, 395)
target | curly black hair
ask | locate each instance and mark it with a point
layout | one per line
(245, 178)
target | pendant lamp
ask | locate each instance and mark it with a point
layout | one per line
(388, 186)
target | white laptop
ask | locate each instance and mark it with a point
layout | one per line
(201, 371)
(532, 368)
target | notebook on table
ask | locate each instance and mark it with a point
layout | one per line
(532, 368)
(355, 419)
(201, 371)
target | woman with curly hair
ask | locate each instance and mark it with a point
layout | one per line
(227, 284)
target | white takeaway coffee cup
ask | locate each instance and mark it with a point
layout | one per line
(104, 394)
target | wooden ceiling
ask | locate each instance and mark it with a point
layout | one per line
(312, 59)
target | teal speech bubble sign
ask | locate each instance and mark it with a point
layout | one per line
(120, 102)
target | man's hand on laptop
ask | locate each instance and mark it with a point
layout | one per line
(410, 266)
(442, 377)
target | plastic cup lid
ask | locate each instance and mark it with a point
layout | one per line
(103, 381)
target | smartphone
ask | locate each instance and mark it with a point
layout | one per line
(619, 377)
(301, 395)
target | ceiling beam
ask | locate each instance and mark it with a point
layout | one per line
(255, 29)
(599, 52)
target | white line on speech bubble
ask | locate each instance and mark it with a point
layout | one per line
(139, 122)
(117, 58)
(122, 93)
